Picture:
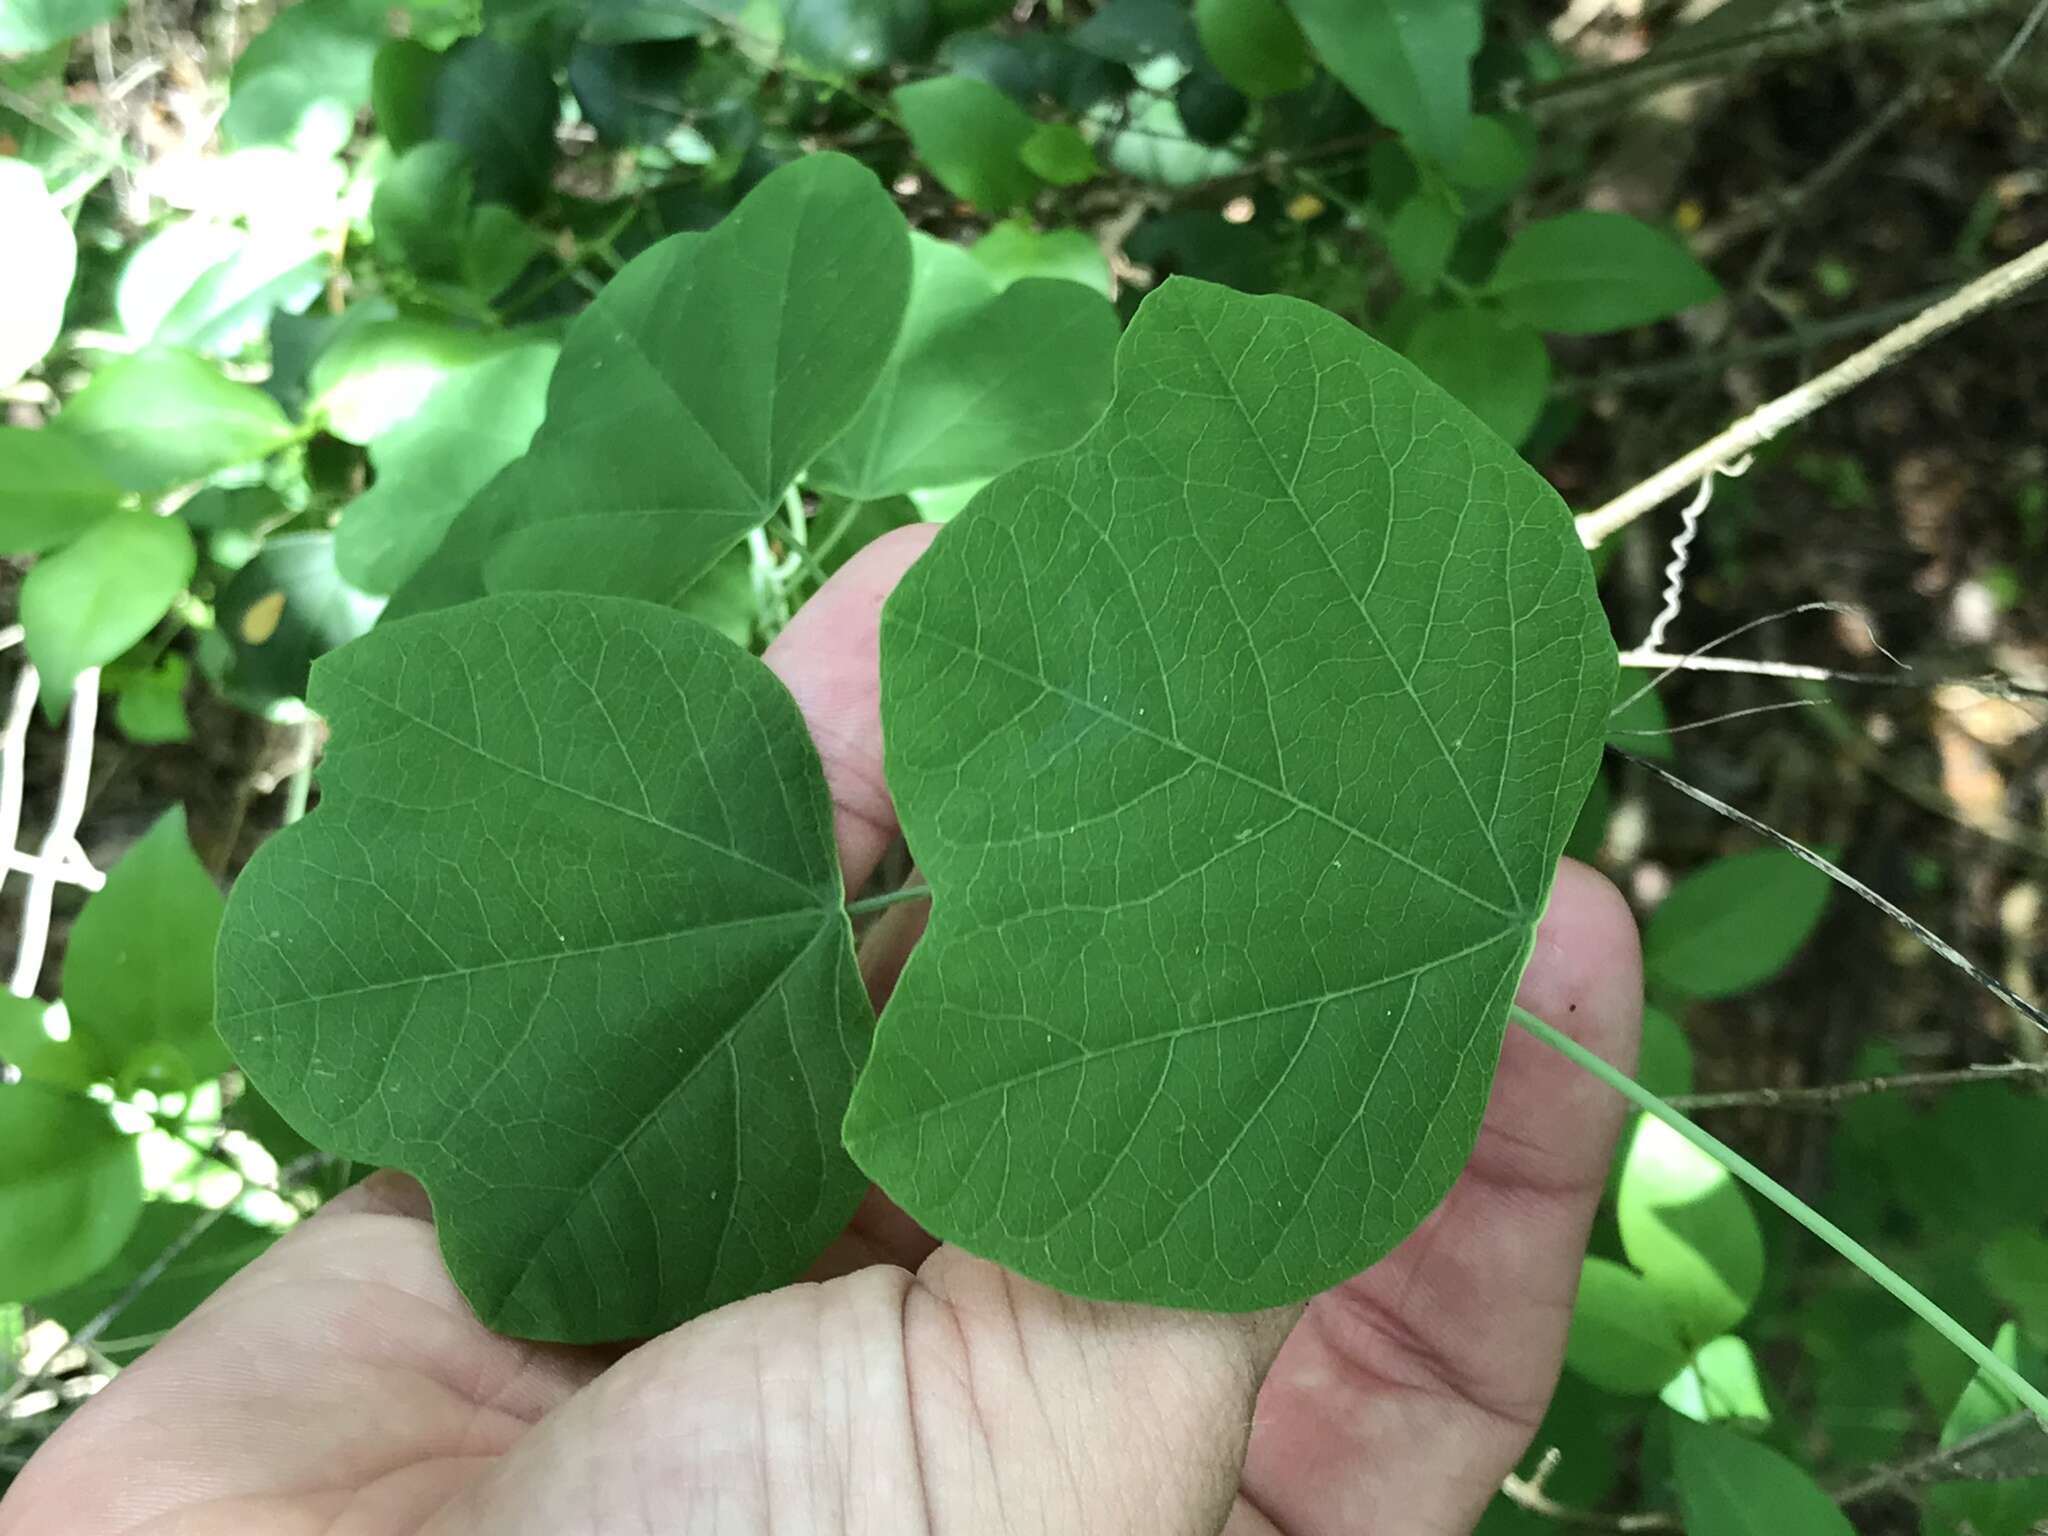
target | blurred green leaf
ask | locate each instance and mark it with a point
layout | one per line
(1144, 137)
(213, 288)
(853, 37)
(27, 26)
(639, 21)
(1734, 924)
(1410, 64)
(1638, 722)
(165, 417)
(207, 1261)
(1496, 159)
(138, 972)
(42, 256)
(28, 1049)
(1134, 32)
(971, 137)
(1056, 153)
(2011, 1507)
(2015, 1267)
(379, 375)
(421, 209)
(402, 92)
(149, 704)
(499, 103)
(1211, 109)
(50, 490)
(87, 603)
(1256, 44)
(1013, 250)
(302, 79)
(1687, 1226)
(1495, 367)
(431, 463)
(1587, 272)
(981, 378)
(286, 608)
(70, 1189)
(1729, 1485)
(633, 94)
(1621, 1339)
(1719, 1382)
(1665, 1066)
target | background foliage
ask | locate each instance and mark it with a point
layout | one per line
(286, 289)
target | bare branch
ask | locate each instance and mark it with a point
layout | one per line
(1826, 1096)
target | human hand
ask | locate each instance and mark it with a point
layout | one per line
(340, 1386)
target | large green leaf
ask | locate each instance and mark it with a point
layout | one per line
(138, 972)
(565, 939)
(1686, 1224)
(430, 464)
(1586, 272)
(70, 1189)
(162, 418)
(972, 137)
(201, 1267)
(50, 490)
(1622, 1340)
(27, 26)
(1734, 924)
(1409, 61)
(982, 377)
(42, 256)
(689, 396)
(90, 601)
(1729, 1485)
(1238, 745)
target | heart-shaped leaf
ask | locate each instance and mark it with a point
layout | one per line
(982, 378)
(1238, 745)
(565, 939)
(689, 396)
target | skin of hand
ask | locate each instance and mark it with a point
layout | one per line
(339, 1386)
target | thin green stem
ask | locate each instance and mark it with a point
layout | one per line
(888, 899)
(2029, 1397)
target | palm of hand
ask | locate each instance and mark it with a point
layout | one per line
(340, 1386)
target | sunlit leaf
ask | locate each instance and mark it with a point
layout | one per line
(149, 705)
(2002, 1507)
(50, 490)
(1013, 251)
(1734, 924)
(70, 1189)
(164, 417)
(1586, 272)
(1719, 1382)
(1622, 1340)
(1687, 1226)
(87, 603)
(302, 79)
(1730, 1485)
(29, 25)
(38, 260)
(565, 939)
(1143, 701)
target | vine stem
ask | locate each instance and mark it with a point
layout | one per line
(1889, 1279)
(1774, 416)
(888, 899)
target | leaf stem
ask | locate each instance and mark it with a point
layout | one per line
(888, 899)
(2029, 1396)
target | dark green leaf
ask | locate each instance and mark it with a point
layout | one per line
(42, 256)
(1130, 696)
(981, 378)
(421, 209)
(70, 1189)
(201, 1268)
(286, 608)
(632, 94)
(1686, 1224)
(1056, 153)
(1256, 45)
(1665, 1066)
(2004, 1507)
(50, 490)
(852, 37)
(401, 92)
(432, 463)
(1191, 242)
(302, 79)
(1411, 64)
(1587, 272)
(1496, 368)
(1421, 233)
(499, 103)
(1621, 1339)
(1134, 32)
(639, 21)
(650, 466)
(87, 603)
(29, 25)
(164, 418)
(1638, 722)
(565, 939)
(971, 136)
(1034, 68)
(1734, 924)
(1729, 1485)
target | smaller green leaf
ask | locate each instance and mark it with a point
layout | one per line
(1734, 924)
(285, 609)
(1255, 44)
(1421, 234)
(421, 209)
(213, 287)
(1013, 251)
(1686, 1224)
(1621, 1339)
(499, 102)
(201, 1267)
(1665, 1066)
(70, 1189)
(401, 92)
(139, 969)
(164, 418)
(1583, 273)
(149, 705)
(1638, 722)
(1410, 64)
(42, 256)
(29, 26)
(972, 138)
(29, 1049)
(2002, 1507)
(1495, 160)
(50, 490)
(1729, 1485)
(852, 37)
(302, 79)
(90, 601)
(1719, 1382)
(1495, 367)
(1056, 153)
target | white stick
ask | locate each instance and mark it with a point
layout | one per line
(1774, 416)
(63, 832)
